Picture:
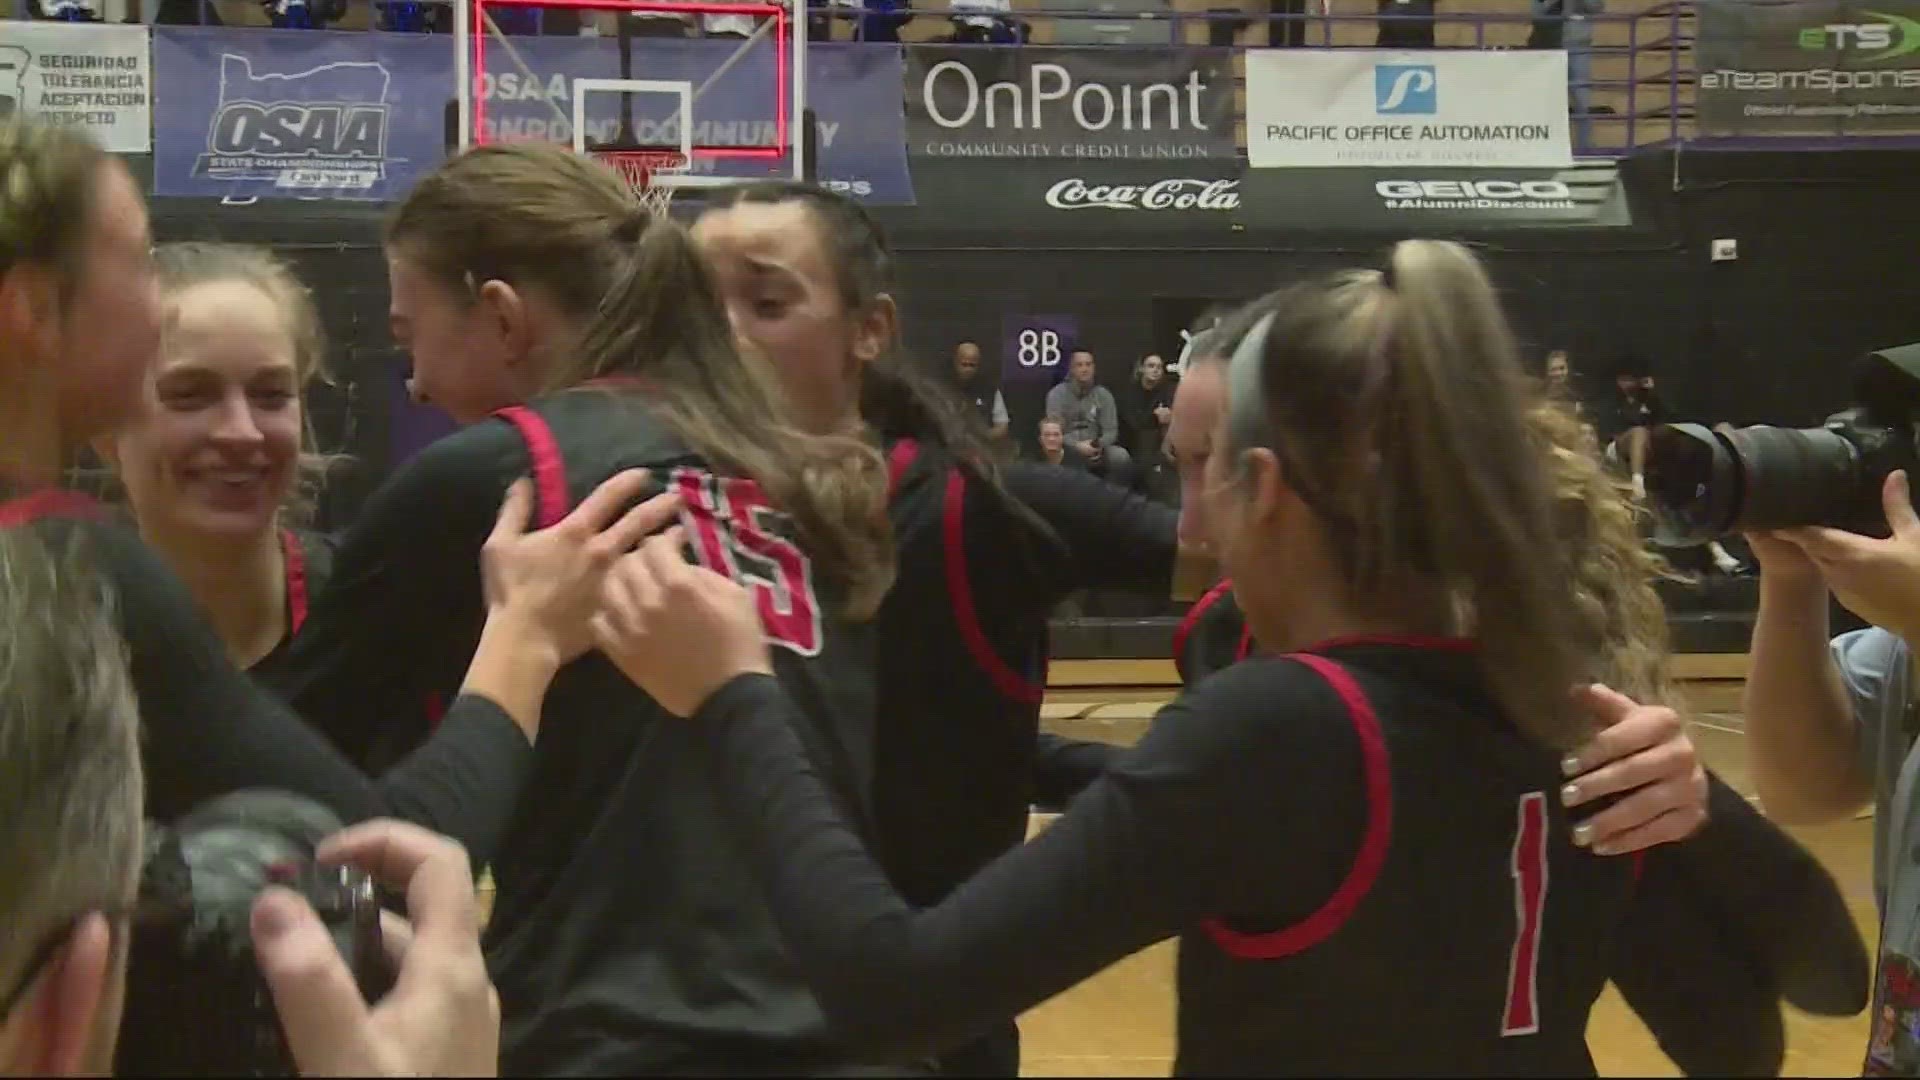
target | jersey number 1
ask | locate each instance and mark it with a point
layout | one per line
(737, 533)
(1529, 909)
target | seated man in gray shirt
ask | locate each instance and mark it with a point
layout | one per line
(1830, 727)
(1092, 421)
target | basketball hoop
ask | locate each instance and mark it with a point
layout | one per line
(638, 168)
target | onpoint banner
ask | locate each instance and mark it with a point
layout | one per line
(1336, 108)
(1808, 67)
(1045, 102)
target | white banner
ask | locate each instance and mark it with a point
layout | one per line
(91, 76)
(1332, 108)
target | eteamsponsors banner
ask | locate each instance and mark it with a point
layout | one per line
(1441, 202)
(91, 77)
(1058, 102)
(1320, 108)
(1808, 67)
(307, 113)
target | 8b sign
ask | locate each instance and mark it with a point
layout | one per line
(1035, 347)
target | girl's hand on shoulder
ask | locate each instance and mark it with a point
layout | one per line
(679, 631)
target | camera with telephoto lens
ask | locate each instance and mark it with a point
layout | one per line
(1704, 483)
(197, 1004)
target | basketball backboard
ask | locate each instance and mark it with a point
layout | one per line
(728, 105)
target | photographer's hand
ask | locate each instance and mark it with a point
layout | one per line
(1878, 580)
(442, 1017)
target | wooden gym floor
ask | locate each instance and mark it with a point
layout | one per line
(1121, 1022)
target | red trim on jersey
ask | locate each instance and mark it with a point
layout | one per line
(549, 469)
(960, 595)
(436, 709)
(46, 502)
(1192, 619)
(1367, 863)
(295, 561)
(899, 460)
(1245, 648)
(1407, 641)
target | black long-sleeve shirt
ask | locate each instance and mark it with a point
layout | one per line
(208, 730)
(963, 647)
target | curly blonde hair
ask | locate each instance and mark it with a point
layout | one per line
(1619, 614)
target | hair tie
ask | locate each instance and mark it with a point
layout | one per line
(1386, 274)
(633, 226)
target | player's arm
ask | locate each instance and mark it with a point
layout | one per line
(1063, 768)
(1151, 848)
(1115, 539)
(401, 614)
(209, 730)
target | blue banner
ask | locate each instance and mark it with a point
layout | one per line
(331, 114)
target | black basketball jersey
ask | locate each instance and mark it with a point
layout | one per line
(962, 669)
(1739, 914)
(627, 936)
(307, 561)
(1467, 934)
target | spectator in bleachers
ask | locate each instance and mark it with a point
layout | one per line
(1625, 420)
(984, 22)
(873, 20)
(1092, 421)
(1286, 23)
(65, 10)
(973, 386)
(1053, 445)
(1405, 24)
(1146, 408)
(1568, 24)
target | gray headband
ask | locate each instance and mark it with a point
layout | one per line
(1248, 425)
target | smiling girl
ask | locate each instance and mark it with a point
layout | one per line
(212, 463)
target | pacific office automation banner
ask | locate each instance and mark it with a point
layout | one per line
(1056, 102)
(1436, 202)
(325, 114)
(1320, 108)
(91, 77)
(1808, 67)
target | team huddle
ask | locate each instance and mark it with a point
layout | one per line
(718, 633)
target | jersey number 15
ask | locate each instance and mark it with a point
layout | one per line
(736, 532)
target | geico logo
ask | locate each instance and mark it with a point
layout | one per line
(1095, 106)
(1472, 189)
(326, 130)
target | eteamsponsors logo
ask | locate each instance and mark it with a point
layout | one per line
(320, 129)
(1517, 196)
(1893, 36)
(1183, 193)
(1405, 90)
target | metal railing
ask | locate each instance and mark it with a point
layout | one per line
(1630, 74)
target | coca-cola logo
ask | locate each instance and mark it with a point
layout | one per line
(1179, 193)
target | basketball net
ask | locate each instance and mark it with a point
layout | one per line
(638, 167)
